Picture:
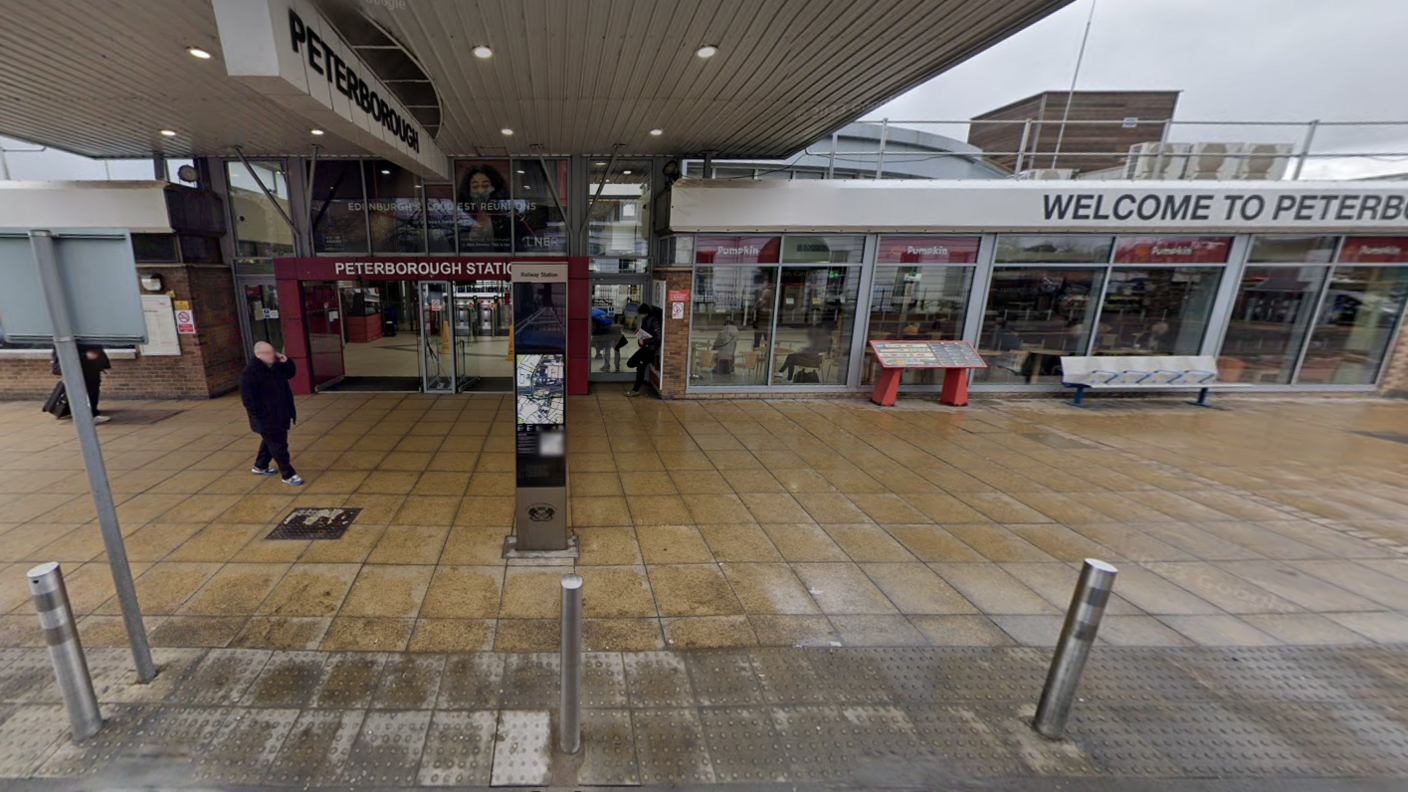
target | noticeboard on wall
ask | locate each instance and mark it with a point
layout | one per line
(98, 273)
(160, 317)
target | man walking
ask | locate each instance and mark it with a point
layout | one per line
(269, 401)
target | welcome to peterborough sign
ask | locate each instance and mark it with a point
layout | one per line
(286, 50)
(767, 206)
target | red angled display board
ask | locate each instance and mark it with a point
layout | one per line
(955, 357)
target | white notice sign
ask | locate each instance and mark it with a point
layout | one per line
(161, 327)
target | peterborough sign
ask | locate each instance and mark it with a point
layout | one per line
(287, 51)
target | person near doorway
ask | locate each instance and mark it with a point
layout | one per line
(92, 361)
(268, 399)
(605, 334)
(649, 337)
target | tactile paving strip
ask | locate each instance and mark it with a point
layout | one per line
(348, 680)
(851, 677)
(114, 743)
(1205, 739)
(387, 752)
(459, 749)
(472, 681)
(670, 747)
(608, 749)
(289, 679)
(29, 736)
(658, 679)
(830, 743)
(743, 746)
(222, 677)
(960, 741)
(786, 676)
(523, 753)
(409, 682)
(531, 682)
(29, 678)
(315, 523)
(1356, 740)
(316, 748)
(241, 751)
(723, 679)
(603, 680)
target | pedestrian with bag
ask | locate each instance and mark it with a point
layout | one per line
(648, 336)
(93, 361)
(268, 399)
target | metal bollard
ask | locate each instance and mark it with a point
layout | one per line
(570, 714)
(46, 585)
(1097, 579)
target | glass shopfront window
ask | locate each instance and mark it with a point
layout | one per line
(1270, 321)
(920, 291)
(440, 218)
(538, 226)
(395, 209)
(260, 230)
(1355, 327)
(1054, 249)
(339, 210)
(484, 207)
(1286, 249)
(815, 319)
(1034, 316)
(620, 216)
(829, 249)
(1156, 310)
(732, 313)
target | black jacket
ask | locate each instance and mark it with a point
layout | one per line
(651, 325)
(267, 397)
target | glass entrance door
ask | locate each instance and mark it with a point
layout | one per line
(614, 318)
(437, 339)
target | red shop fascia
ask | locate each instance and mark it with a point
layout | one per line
(307, 285)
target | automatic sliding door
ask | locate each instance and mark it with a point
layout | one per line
(437, 338)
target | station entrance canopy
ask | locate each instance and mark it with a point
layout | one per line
(582, 77)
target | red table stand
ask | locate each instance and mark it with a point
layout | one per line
(895, 357)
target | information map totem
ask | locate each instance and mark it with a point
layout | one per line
(540, 392)
(955, 357)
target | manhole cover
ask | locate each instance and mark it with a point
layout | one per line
(315, 523)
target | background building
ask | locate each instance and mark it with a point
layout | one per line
(1099, 123)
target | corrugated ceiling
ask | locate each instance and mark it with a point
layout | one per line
(573, 76)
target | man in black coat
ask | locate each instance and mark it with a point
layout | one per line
(269, 401)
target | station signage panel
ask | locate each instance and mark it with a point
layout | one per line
(928, 249)
(539, 293)
(392, 268)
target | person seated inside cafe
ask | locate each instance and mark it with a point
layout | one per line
(726, 345)
(1003, 339)
(818, 344)
(1157, 340)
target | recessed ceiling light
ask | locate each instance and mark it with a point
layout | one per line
(600, 164)
(483, 52)
(657, 132)
(385, 172)
(523, 171)
(628, 173)
(168, 133)
(198, 53)
(316, 131)
(506, 131)
(707, 51)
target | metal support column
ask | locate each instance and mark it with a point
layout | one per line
(46, 586)
(1305, 148)
(1097, 578)
(66, 346)
(569, 725)
(884, 138)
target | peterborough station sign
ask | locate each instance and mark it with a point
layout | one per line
(1227, 207)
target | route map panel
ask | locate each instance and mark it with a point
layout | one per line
(541, 389)
(927, 354)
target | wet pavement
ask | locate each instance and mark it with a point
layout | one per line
(813, 593)
(731, 524)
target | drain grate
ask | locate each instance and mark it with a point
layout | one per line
(315, 523)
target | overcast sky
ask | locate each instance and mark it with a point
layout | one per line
(1242, 60)
(1234, 60)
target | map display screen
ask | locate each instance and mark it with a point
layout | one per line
(541, 389)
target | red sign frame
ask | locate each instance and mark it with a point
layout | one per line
(1374, 250)
(369, 268)
(913, 249)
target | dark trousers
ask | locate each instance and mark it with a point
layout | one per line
(640, 361)
(94, 382)
(274, 446)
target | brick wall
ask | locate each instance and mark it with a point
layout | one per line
(209, 364)
(675, 354)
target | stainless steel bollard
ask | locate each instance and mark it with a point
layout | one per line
(1097, 579)
(46, 585)
(570, 714)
